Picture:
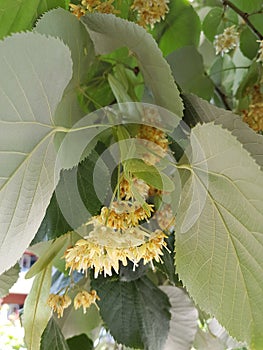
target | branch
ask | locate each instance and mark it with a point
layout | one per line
(223, 98)
(243, 15)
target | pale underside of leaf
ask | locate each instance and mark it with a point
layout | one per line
(64, 25)
(32, 84)
(219, 256)
(202, 111)
(183, 323)
(110, 33)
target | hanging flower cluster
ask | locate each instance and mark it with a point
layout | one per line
(59, 303)
(226, 41)
(253, 116)
(117, 235)
(150, 11)
(93, 6)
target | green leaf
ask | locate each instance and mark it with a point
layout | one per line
(248, 6)
(34, 72)
(62, 24)
(109, 33)
(16, 16)
(75, 322)
(183, 324)
(256, 20)
(248, 43)
(189, 72)
(150, 174)
(46, 5)
(180, 28)
(207, 341)
(58, 246)
(202, 111)
(36, 310)
(52, 337)
(8, 279)
(219, 233)
(212, 22)
(80, 342)
(137, 312)
(54, 223)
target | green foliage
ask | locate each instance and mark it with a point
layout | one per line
(28, 177)
(222, 236)
(155, 70)
(188, 70)
(16, 15)
(36, 310)
(211, 22)
(248, 43)
(61, 24)
(61, 161)
(180, 28)
(139, 303)
(52, 337)
(80, 342)
(8, 279)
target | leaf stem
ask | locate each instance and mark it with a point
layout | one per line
(244, 16)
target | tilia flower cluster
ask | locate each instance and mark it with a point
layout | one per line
(119, 234)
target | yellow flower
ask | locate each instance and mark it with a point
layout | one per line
(253, 116)
(90, 4)
(131, 245)
(126, 188)
(125, 214)
(77, 10)
(106, 7)
(85, 299)
(58, 303)
(150, 11)
(226, 41)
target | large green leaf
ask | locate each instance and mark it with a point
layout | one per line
(52, 337)
(219, 243)
(109, 33)
(188, 70)
(34, 72)
(180, 28)
(198, 110)
(36, 310)
(62, 24)
(136, 312)
(8, 279)
(183, 324)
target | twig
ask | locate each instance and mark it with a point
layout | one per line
(223, 98)
(243, 15)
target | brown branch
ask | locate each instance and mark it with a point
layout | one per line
(245, 17)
